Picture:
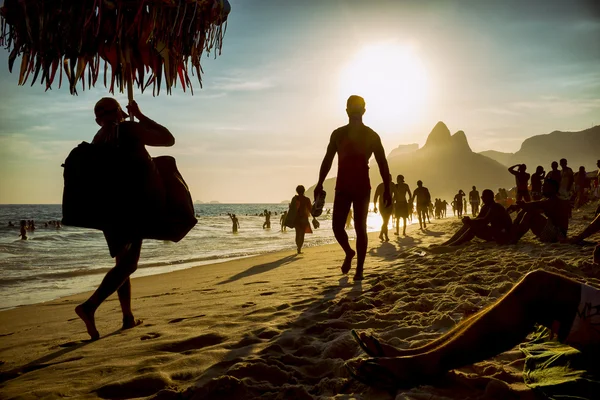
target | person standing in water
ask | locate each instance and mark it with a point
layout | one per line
(354, 144)
(235, 222)
(125, 245)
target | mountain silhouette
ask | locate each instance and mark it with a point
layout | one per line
(579, 148)
(445, 164)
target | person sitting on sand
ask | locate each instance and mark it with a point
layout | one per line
(549, 228)
(591, 229)
(123, 245)
(493, 223)
(303, 211)
(354, 144)
(474, 199)
(536, 183)
(386, 211)
(422, 196)
(568, 308)
(401, 203)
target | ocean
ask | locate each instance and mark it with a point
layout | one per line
(53, 262)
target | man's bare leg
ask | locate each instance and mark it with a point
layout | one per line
(361, 210)
(341, 208)
(540, 297)
(524, 222)
(113, 280)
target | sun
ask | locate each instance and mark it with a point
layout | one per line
(393, 81)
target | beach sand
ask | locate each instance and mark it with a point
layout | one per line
(277, 326)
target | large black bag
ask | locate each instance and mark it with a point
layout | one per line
(290, 218)
(105, 190)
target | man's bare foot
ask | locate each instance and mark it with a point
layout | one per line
(348, 262)
(88, 320)
(130, 322)
(358, 275)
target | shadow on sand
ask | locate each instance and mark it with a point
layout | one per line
(259, 269)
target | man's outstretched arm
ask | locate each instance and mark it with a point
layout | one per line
(384, 170)
(326, 164)
(512, 169)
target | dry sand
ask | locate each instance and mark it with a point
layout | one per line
(277, 326)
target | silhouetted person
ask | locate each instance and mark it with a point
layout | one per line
(548, 219)
(401, 203)
(458, 200)
(385, 210)
(522, 181)
(131, 138)
(23, 230)
(474, 199)
(444, 208)
(493, 223)
(354, 145)
(554, 173)
(566, 180)
(235, 223)
(282, 221)
(591, 229)
(10, 223)
(303, 210)
(566, 307)
(465, 204)
(422, 197)
(581, 184)
(267, 223)
(536, 183)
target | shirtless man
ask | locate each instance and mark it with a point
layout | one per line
(554, 173)
(423, 198)
(458, 199)
(123, 245)
(566, 180)
(493, 223)
(386, 211)
(536, 183)
(552, 226)
(567, 307)
(401, 203)
(354, 144)
(522, 179)
(474, 199)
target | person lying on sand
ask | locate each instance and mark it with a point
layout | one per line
(493, 223)
(592, 228)
(570, 309)
(549, 228)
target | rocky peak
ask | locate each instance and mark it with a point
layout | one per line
(460, 142)
(439, 136)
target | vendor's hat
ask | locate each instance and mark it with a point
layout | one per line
(106, 105)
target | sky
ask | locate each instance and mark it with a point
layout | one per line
(501, 71)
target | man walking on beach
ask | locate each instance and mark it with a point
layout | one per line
(386, 211)
(354, 144)
(474, 199)
(124, 244)
(401, 206)
(421, 194)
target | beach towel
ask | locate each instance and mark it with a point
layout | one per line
(558, 371)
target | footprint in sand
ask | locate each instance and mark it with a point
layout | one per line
(248, 304)
(150, 335)
(176, 320)
(255, 282)
(196, 343)
(267, 293)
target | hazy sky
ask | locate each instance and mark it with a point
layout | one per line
(499, 70)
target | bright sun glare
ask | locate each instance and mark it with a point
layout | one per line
(393, 82)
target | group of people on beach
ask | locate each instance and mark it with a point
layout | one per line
(570, 309)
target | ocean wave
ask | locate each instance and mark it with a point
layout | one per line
(52, 276)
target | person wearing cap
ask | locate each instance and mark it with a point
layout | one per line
(354, 144)
(124, 244)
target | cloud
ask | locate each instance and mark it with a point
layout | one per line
(559, 106)
(232, 84)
